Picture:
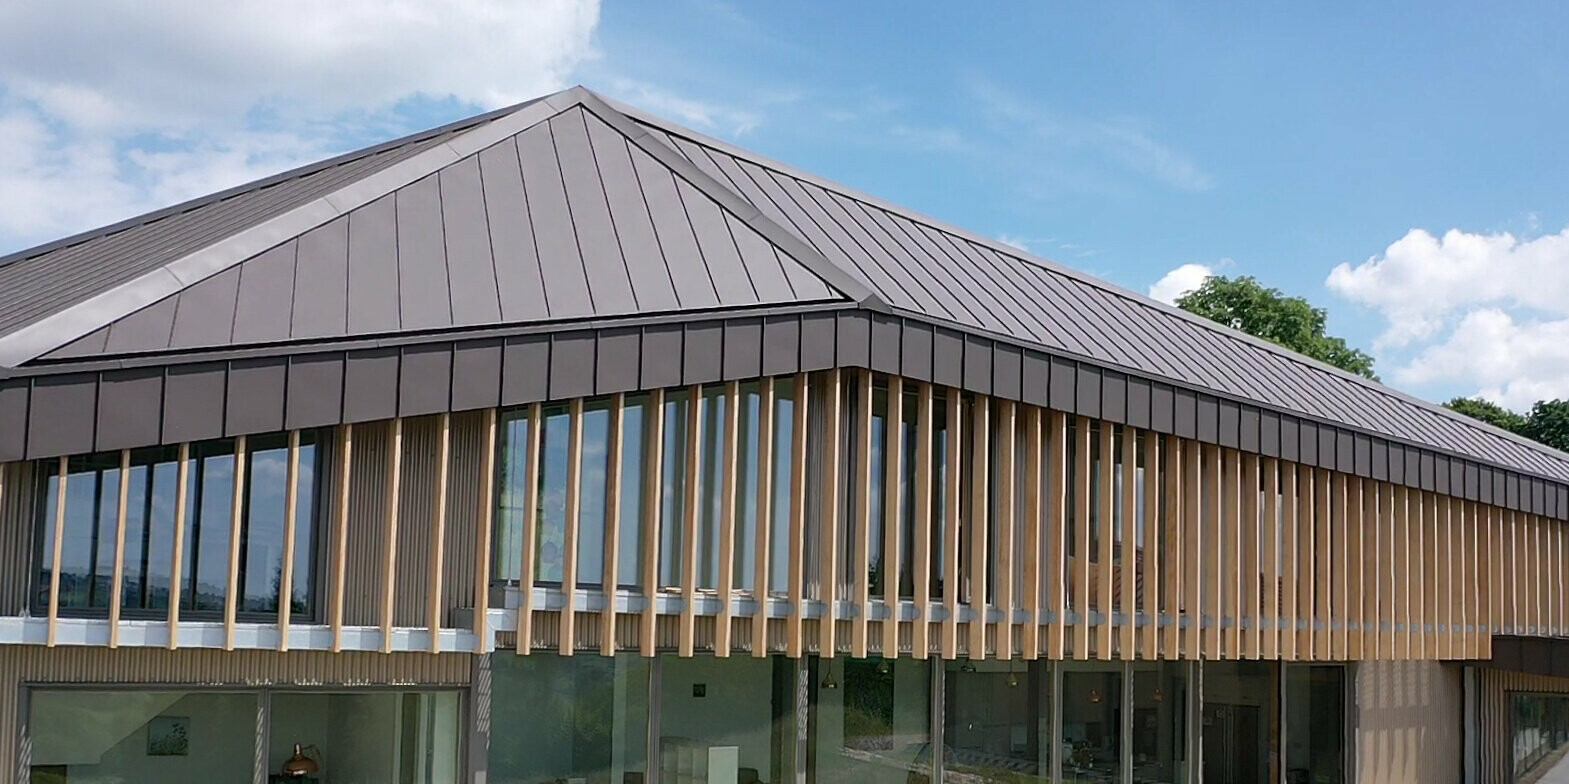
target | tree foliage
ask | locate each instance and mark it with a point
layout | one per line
(1245, 304)
(1489, 412)
(1546, 422)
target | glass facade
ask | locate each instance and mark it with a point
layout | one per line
(997, 723)
(579, 718)
(1241, 722)
(1539, 735)
(92, 493)
(1315, 724)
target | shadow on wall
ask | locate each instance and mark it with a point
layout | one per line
(1408, 722)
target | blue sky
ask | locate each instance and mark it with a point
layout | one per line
(1419, 145)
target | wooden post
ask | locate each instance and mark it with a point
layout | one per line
(893, 513)
(1252, 632)
(951, 581)
(118, 579)
(828, 536)
(1152, 558)
(340, 531)
(923, 521)
(390, 553)
(1271, 533)
(1229, 598)
(63, 476)
(689, 522)
(1002, 516)
(1082, 499)
(1175, 524)
(653, 508)
(1193, 541)
(797, 587)
(1213, 568)
(1057, 535)
(860, 526)
(534, 439)
(980, 513)
(177, 557)
(727, 508)
(610, 576)
(762, 545)
(1030, 550)
(291, 501)
(483, 522)
(236, 528)
(1130, 548)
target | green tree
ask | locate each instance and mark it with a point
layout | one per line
(1245, 304)
(1489, 412)
(1548, 423)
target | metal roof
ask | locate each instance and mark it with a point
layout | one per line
(570, 208)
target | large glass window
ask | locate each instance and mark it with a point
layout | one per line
(727, 720)
(1092, 723)
(871, 721)
(1160, 709)
(1539, 733)
(91, 516)
(407, 737)
(1241, 722)
(580, 719)
(141, 737)
(997, 723)
(1315, 724)
(784, 466)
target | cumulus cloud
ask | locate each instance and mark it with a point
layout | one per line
(1180, 281)
(1014, 242)
(110, 108)
(1479, 313)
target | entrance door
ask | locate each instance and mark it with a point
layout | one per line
(1232, 754)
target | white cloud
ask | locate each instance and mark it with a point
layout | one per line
(1470, 313)
(1180, 281)
(110, 108)
(1013, 242)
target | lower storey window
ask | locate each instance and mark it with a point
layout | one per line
(1539, 736)
(151, 737)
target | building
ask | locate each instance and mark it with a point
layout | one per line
(563, 444)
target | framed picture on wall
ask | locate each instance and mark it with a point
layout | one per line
(169, 736)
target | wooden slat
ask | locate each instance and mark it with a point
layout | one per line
(921, 639)
(653, 509)
(762, 553)
(1291, 575)
(177, 556)
(893, 514)
(1229, 597)
(1130, 538)
(691, 508)
(291, 501)
(390, 553)
(1193, 543)
(63, 475)
(1405, 644)
(1307, 563)
(1081, 536)
(832, 516)
(1432, 577)
(1389, 554)
(979, 521)
(1252, 633)
(1323, 552)
(1029, 530)
(1175, 526)
(1003, 523)
(1448, 582)
(117, 579)
(483, 520)
(611, 575)
(1481, 515)
(951, 504)
(1460, 548)
(1364, 573)
(231, 601)
(1106, 535)
(1420, 574)
(1557, 579)
(860, 526)
(1339, 567)
(727, 510)
(1149, 602)
(566, 628)
(1057, 535)
(531, 463)
(438, 532)
(1270, 647)
(1214, 567)
(340, 532)
(797, 564)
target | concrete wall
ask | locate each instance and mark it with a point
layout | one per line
(1407, 723)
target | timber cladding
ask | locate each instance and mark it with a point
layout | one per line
(189, 668)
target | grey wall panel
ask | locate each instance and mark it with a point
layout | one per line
(1208, 419)
(566, 283)
(1484, 485)
(1425, 468)
(476, 374)
(1500, 487)
(886, 343)
(1563, 502)
(148, 328)
(617, 360)
(1248, 435)
(130, 403)
(1328, 441)
(977, 365)
(1269, 434)
(1512, 491)
(205, 315)
(1114, 397)
(947, 357)
(1380, 460)
(1163, 408)
(424, 296)
(1413, 460)
(471, 270)
(1036, 380)
(373, 268)
(425, 380)
(1230, 424)
(1007, 372)
(743, 349)
(915, 351)
(1290, 439)
(370, 385)
(315, 393)
(1397, 463)
(1307, 442)
(60, 420)
(263, 307)
(1538, 497)
(13, 418)
(1362, 448)
(781, 345)
(703, 353)
(855, 338)
(1471, 488)
(662, 356)
(321, 282)
(817, 341)
(1457, 477)
(571, 365)
(522, 292)
(1441, 474)
(193, 401)
(1139, 403)
(1187, 414)
(608, 280)
(256, 393)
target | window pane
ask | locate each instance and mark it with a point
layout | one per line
(1315, 724)
(406, 737)
(743, 556)
(209, 563)
(1240, 717)
(549, 538)
(160, 533)
(997, 721)
(591, 506)
(304, 532)
(511, 496)
(1092, 723)
(875, 496)
(784, 449)
(711, 495)
(103, 545)
(1160, 699)
(634, 441)
(726, 720)
(673, 478)
(141, 737)
(583, 718)
(265, 489)
(132, 591)
(872, 721)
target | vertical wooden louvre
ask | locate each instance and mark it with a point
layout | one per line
(1002, 517)
(390, 554)
(610, 574)
(117, 578)
(57, 547)
(797, 563)
(1081, 536)
(1057, 535)
(653, 508)
(832, 517)
(482, 528)
(893, 515)
(951, 505)
(340, 531)
(534, 439)
(1103, 538)
(924, 435)
(236, 530)
(691, 512)
(1129, 538)
(177, 554)
(979, 521)
(764, 501)
(1029, 529)
(566, 635)
(860, 524)
(291, 500)
(1175, 505)
(1150, 563)
(438, 533)
(727, 511)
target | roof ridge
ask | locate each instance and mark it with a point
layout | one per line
(1061, 269)
(63, 326)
